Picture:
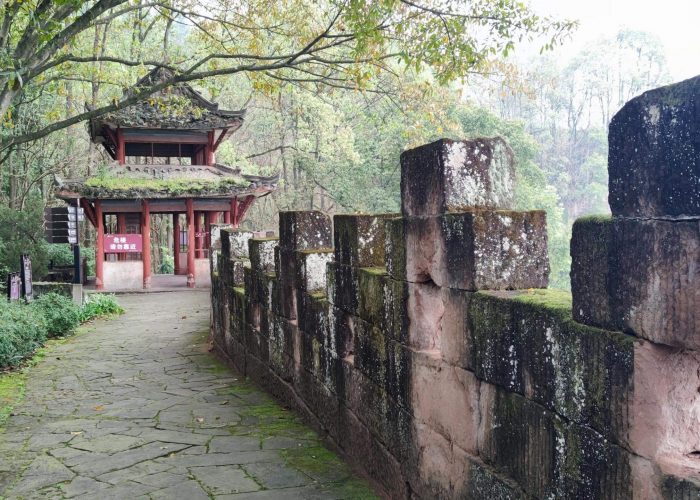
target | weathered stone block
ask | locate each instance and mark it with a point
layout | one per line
(395, 242)
(484, 482)
(663, 410)
(372, 300)
(446, 399)
(237, 267)
(234, 242)
(311, 269)
(389, 423)
(215, 235)
(309, 230)
(262, 254)
(528, 343)
(447, 176)
(654, 159)
(647, 282)
(360, 239)
(546, 455)
(479, 250)
(657, 287)
(591, 250)
(343, 287)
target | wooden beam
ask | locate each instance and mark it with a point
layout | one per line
(89, 212)
(243, 208)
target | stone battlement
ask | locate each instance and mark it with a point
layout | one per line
(428, 350)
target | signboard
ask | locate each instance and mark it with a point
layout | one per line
(26, 276)
(61, 224)
(122, 243)
(14, 286)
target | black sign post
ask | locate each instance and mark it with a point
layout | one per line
(26, 276)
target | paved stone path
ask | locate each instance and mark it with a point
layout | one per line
(137, 408)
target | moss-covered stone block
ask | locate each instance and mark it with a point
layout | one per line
(549, 457)
(388, 423)
(649, 285)
(484, 482)
(528, 343)
(360, 239)
(395, 242)
(447, 176)
(654, 160)
(343, 287)
(43, 287)
(234, 243)
(678, 488)
(309, 230)
(262, 254)
(237, 266)
(591, 251)
(311, 268)
(372, 300)
(371, 352)
(479, 250)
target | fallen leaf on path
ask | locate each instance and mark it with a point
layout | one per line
(99, 408)
(200, 419)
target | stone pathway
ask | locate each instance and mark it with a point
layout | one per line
(137, 408)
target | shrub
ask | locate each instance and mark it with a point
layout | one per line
(62, 316)
(22, 331)
(98, 304)
(60, 255)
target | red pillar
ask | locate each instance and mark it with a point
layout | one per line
(146, 237)
(227, 217)
(209, 151)
(207, 232)
(176, 242)
(121, 229)
(121, 148)
(198, 238)
(190, 244)
(99, 247)
(234, 212)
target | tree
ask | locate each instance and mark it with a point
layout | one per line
(333, 43)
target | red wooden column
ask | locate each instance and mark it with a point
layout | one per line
(121, 147)
(99, 247)
(209, 151)
(176, 242)
(198, 239)
(227, 217)
(121, 229)
(234, 212)
(146, 237)
(190, 244)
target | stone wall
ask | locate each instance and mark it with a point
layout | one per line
(428, 350)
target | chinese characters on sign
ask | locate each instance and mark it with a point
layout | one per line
(26, 276)
(123, 243)
(14, 286)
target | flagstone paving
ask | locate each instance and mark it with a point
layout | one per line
(136, 407)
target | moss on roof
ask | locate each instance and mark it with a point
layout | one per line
(123, 187)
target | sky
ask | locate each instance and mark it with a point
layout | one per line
(675, 22)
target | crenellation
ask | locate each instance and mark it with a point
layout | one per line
(428, 350)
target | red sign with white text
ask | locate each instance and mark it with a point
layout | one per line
(123, 243)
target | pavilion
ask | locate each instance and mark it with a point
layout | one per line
(163, 150)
